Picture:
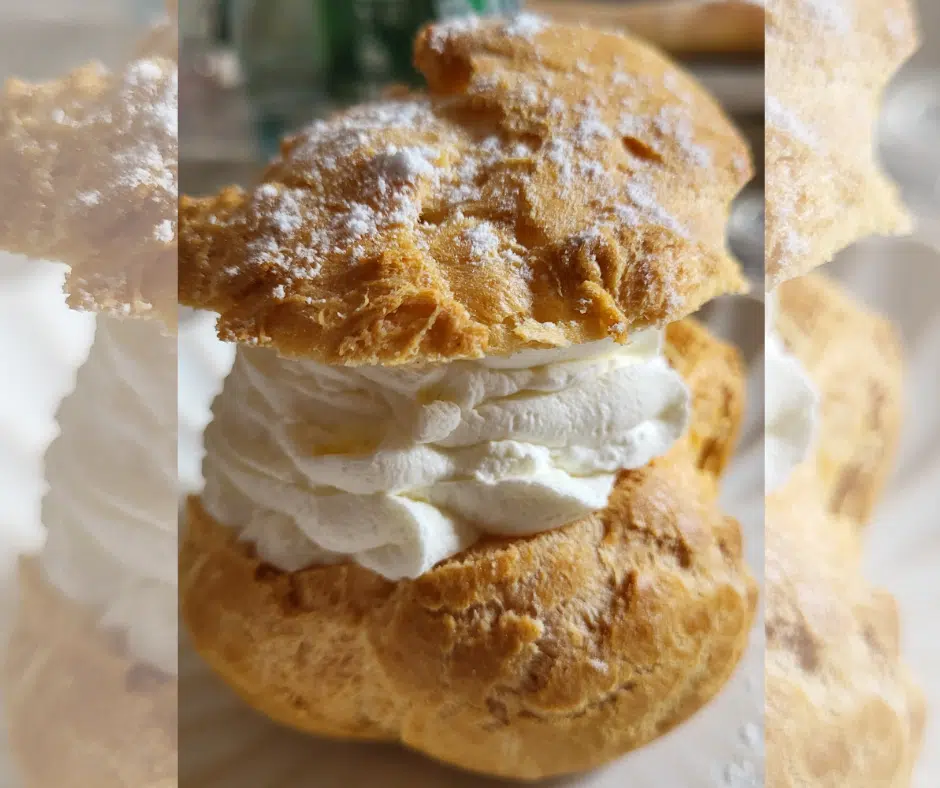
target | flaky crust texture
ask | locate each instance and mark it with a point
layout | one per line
(854, 358)
(521, 658)
(80, 713)
(827, 66)
(715, 375)
(842, 709)
(88, 177)
(556, 185)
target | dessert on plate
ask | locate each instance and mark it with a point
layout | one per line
(90, 684)
(461, 484)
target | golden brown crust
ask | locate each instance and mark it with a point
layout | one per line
(559, 185)
(80, 713)
(827, 65)
(842, 709)
(524, 657)
(715, 375)
(88, 176)
(854, 358)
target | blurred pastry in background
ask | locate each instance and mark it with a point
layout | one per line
(461, 484)
(88, 177)
(853, 358)
(827, 65)
(89, 171)
(842, 708)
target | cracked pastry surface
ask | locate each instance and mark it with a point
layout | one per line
(60, 666)
(842, 709)
(88, 174)
(525, 657)
(556, 185)
(854, 358)
(828, 64)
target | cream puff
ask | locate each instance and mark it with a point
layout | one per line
(461, 484)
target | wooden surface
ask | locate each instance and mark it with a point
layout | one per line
(680, 26)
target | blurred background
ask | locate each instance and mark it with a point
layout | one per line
(253, 69)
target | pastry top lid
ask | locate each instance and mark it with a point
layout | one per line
(88, 177)
(556, 185)
(828, 62)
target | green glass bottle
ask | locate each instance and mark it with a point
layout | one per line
(304, 58)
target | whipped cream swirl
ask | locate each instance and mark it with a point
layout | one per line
(111, 510)
(399, 468)
(791, 407)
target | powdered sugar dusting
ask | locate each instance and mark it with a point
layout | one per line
(671, 123)
(897, 24)
(483, 241)
(591, 126)
(146, 120)
(359, 220)
(525, 26)
(326, 143)
(164, 231)
(839, 15)
(752, 736)
(599, 665)
(647, 206)
(120, 155)
(785, 119)
(390, 176)
(407, 164)
(401, 179)
(89, 198)
(743, 774)
(560, 153)
(674, 123)
(442, 32)
(134, 131)
(286, 249)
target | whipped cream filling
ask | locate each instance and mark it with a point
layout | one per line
(111, 510)
(400, 468)
(791, 407)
